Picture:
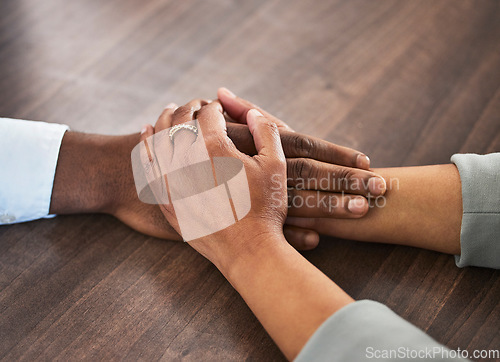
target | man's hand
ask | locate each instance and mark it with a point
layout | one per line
(94, 175)
(323, 178)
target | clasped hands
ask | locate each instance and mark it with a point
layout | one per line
(323, 179)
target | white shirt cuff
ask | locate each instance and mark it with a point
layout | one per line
(28, 160)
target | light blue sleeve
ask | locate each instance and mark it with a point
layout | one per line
(480, 233)
(28, 158)
(369, 331)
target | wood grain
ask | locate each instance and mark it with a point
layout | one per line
(407, 82)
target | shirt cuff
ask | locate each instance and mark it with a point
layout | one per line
(479, 235)
(28, 159)
(366, 331)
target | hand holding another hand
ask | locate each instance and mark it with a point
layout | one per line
(265, 173)
(309, 160)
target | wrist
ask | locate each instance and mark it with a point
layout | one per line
(249, 251)
(116, 186)
(88, 170)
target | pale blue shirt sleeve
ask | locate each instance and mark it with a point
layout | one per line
(367, 330)
(28, 159)
(480, 232)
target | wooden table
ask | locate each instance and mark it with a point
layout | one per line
(407, 82)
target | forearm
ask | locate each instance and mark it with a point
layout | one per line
(422, 208)
(289, 296)
(89, 172)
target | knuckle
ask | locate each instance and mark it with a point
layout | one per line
(269, 126)
(211, 139)
(203, 112)
(166, 112)
(207, 111)
(196, 103)
(346, 177)
(224, 143)
(302, 168)
(303, 144)
(217, 143)
(183, 111)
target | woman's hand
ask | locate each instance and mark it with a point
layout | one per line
(422, 208)
(289, 296)
(310, 162)
(265, 172)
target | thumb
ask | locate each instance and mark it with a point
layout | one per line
(237, 108)
(265, 135)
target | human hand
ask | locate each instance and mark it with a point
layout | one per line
(265, 173)
(93, 176)
(103, 181)
(116, 193)
(325, 180)
(309, 160)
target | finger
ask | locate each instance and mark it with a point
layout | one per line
(241, 137)
(265, 135)
(149, 220)
(150, 165)
(305, 173)
(157, 182)
(300, 238)
(212, 124)
(237, 108)
(306, 203)
(148, 158)
(165, 119)
(146, 131)
(184, 138)
(301, 145)
(320, 225)
(188, 112)
(163, 147)
(211, 120)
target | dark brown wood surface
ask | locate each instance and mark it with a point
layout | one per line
(407, 82)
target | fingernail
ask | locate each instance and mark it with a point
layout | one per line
(357, 205)
(363, 161)
(254, 113)
(228, 92)
(377, 186)
(311, 239)
(144, 129)
(171, 106)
